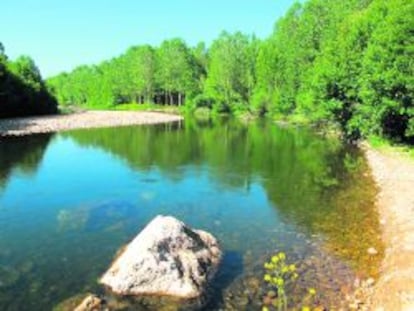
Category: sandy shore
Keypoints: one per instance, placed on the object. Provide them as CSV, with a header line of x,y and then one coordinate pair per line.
x,y
89,119
394,175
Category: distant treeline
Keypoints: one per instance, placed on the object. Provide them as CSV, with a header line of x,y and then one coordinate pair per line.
x,y
345,61
22,90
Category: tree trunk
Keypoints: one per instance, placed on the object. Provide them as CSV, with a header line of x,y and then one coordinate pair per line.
x,y
179,99
171,99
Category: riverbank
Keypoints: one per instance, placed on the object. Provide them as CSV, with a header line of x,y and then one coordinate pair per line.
x,y
87,119
394,174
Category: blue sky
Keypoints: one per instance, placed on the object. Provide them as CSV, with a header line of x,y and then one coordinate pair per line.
x,y
61,34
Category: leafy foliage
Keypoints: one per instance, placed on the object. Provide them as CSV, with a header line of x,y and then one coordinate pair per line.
x,y
230,78
348,62
345,62
166,75
22,90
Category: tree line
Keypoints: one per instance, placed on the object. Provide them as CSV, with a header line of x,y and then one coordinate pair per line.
x,y
349,62
346,61
22,89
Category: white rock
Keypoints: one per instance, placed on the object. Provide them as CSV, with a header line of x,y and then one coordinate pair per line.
x,y
372,251
166,258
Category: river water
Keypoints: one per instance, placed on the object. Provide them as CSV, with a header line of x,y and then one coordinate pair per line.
x,y
69,201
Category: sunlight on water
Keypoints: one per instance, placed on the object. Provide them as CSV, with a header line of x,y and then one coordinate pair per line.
x,y
69,201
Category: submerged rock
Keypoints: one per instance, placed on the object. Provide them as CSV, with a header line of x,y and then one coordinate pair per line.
x,y
82,302
166,258
91,303
8,276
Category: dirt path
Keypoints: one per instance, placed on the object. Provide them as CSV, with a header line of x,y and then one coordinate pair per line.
x,y
394,175
89,119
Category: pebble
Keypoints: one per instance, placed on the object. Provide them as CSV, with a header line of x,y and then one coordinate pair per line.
x,y
267,301
370,282
372,251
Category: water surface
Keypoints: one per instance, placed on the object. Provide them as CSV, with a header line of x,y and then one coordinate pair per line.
x,y
69,201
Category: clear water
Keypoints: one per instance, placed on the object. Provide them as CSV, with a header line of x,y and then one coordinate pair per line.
x,y
69,201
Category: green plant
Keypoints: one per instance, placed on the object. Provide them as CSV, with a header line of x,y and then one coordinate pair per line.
x,y
278,275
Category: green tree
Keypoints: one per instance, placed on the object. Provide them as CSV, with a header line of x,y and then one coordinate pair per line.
x,y
344,62
387,75
231,71
22,90
25,68
176,73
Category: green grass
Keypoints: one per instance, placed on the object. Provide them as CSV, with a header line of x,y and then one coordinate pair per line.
x,y
148,107
137,107
202,113
386,145
295,119
126,107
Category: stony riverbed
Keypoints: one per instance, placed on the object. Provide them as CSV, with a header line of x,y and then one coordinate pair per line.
x,y
88,119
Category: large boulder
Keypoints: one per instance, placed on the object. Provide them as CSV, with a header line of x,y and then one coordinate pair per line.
x,y
166,258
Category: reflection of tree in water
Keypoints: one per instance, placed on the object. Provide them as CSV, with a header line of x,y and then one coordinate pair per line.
x,y
23,153
337,202
235,153
316,183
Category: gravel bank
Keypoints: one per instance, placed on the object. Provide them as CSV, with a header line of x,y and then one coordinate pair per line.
x,y
89,119
394,175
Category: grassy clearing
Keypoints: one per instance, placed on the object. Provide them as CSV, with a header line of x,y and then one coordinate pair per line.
x,y
148,107
124,107
295,119
383,144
